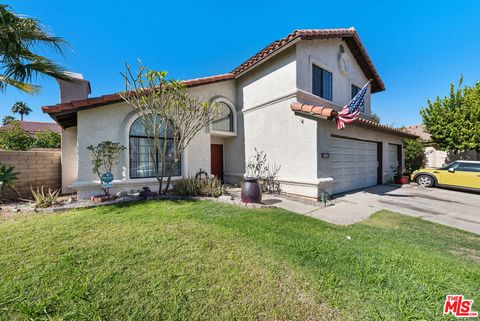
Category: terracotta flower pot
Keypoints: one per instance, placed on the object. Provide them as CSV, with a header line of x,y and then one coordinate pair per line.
x,y
401,180
251,192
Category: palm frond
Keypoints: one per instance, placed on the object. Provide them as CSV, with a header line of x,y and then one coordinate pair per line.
x,y
20,38
28,88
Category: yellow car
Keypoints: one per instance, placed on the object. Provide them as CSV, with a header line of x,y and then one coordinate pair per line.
x,y
459,174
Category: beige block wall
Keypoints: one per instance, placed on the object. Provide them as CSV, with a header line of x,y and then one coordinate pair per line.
x,y
34,168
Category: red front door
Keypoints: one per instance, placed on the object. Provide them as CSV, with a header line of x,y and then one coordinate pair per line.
x,y
216,160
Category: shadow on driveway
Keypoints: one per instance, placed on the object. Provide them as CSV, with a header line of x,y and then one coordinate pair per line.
x,y
449,207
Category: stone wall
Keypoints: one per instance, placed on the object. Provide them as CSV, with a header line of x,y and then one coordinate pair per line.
x,y
34,168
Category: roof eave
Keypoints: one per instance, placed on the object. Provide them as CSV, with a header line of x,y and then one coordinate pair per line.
x,y
327,113
266,58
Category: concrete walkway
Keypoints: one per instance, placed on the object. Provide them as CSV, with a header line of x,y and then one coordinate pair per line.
x,y
452,208
338,212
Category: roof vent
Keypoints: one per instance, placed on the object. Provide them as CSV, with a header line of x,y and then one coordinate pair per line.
x,y
77,89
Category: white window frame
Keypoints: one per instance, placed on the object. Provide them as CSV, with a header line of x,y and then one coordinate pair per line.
x,y
222,133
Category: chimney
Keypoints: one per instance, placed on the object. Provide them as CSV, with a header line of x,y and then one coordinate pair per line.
x,y
78,89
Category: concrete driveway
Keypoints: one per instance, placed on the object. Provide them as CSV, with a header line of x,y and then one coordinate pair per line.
x,y
452,208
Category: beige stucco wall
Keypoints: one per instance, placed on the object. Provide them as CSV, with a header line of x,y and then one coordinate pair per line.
x,y
434,158
69,159
112,122
437,158
264,96
324,53
263,119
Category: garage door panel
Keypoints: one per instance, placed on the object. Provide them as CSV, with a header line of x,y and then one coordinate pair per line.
x,y
354,164
392,160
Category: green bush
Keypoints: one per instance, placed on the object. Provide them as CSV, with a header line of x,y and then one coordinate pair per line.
x,y
45,199
188,186
14,137
414,155
47,139
191,186
211,187
7,178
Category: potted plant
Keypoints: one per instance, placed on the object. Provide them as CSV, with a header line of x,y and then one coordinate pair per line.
x,y
399,178
251,191
103,157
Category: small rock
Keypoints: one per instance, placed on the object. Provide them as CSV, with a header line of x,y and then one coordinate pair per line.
x,y
122,194
146,193
349,238
225,198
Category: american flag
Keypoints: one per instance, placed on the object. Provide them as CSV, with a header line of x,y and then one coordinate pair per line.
x,y
352,110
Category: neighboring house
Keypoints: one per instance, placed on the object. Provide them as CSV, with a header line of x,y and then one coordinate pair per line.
x,y
33,127
433,156
281,101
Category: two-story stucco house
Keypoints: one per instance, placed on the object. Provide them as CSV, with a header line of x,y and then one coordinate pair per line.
x,y
282,100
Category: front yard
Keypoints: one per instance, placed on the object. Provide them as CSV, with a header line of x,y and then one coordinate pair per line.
x,y
168,260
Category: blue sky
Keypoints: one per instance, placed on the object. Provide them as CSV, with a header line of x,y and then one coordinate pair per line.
x,y
419,47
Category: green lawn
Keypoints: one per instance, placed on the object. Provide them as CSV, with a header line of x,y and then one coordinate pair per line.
x,y
167,260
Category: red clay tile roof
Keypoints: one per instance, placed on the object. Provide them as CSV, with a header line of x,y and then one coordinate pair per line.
x,y
349,35
114,98
326,112
35,126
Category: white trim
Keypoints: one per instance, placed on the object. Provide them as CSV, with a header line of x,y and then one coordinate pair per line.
x,y
84,185
291,181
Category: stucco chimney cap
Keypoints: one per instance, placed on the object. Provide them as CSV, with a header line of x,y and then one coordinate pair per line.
x,y
77,88
74,75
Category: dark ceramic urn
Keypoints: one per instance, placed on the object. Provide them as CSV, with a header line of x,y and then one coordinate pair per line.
x,y
251,192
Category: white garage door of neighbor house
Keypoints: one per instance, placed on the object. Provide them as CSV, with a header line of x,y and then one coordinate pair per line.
x,y
354,164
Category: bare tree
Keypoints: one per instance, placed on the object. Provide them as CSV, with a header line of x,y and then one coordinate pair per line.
x,y
166,110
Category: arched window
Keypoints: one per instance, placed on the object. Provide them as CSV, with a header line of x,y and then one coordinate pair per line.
x,y
224,120
141,142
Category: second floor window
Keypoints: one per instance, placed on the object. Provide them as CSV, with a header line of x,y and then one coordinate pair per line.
x,y
355,90
321,82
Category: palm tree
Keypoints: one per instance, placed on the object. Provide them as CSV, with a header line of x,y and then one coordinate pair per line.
x,y
21,108
20,38
8,120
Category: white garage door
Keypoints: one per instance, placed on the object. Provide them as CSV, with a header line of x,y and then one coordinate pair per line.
x,y
392,160
354,164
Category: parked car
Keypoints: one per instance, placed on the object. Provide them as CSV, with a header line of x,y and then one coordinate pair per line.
x,y
459,174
